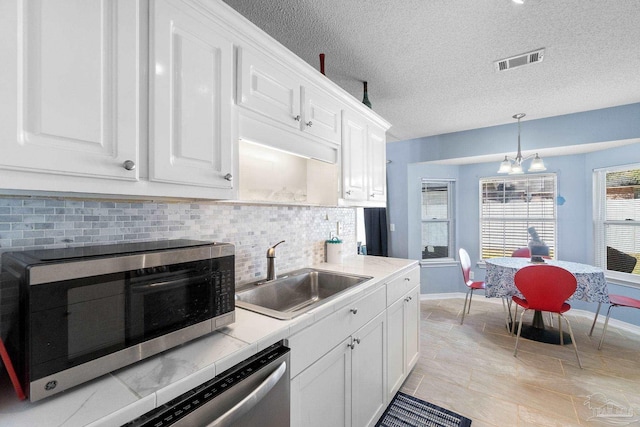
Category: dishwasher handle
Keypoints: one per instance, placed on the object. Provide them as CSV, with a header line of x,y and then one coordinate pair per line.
x,y
251,400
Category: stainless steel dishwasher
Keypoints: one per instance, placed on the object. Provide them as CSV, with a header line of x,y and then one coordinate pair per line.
x,y
253,393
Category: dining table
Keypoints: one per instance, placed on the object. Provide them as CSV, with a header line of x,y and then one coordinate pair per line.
x,y
500,283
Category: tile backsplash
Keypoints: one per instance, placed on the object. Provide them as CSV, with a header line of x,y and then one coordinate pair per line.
x,y
35,223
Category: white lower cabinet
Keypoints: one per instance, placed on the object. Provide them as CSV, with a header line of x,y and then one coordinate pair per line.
x,y
403,326
369,373
347,386
347,366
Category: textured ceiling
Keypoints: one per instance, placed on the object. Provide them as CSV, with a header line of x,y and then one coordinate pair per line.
x,y
430,63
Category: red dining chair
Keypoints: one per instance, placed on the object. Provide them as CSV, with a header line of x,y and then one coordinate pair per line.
x,y
521,253
526,253
545,288
465,263
615,301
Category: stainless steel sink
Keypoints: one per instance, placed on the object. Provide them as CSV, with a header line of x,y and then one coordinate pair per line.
x,y
295,293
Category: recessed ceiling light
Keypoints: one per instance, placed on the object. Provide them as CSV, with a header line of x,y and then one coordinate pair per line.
x,y
518,1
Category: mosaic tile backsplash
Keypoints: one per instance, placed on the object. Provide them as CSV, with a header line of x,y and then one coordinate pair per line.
x,y
36,223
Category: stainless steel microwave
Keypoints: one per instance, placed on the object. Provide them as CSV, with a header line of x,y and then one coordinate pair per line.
x,y
70,315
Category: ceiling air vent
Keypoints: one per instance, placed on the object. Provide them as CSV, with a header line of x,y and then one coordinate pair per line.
x,y
519,60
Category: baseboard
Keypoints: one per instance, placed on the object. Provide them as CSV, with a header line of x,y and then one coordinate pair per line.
x,y
628,327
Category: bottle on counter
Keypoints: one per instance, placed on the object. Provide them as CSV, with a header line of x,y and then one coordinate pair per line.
x,y
334,250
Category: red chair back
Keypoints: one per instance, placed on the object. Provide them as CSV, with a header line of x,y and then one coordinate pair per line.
x,y
521,253
545,287
465,263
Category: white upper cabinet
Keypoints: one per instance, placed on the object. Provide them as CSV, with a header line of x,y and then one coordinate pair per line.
x,y
321,115
152,98
363,161
354,157
281,108
377,170
191,99
268,88
70,91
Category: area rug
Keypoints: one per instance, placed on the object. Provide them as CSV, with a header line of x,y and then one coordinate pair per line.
x,y
409,411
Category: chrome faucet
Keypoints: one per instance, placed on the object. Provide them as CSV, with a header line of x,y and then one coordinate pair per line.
x,y
271,262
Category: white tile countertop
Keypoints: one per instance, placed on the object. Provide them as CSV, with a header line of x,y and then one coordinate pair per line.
x,y
123,395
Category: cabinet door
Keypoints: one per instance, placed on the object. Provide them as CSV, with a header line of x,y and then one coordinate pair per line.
x,y
268,88
191,96
412,329
396,366
321,115
321,395
403,338
377,164
369,370
354,157
71,87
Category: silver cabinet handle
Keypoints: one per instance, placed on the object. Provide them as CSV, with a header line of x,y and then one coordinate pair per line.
x,y
129,165
251,400
296,118
309,123
353,343
228,177
354,310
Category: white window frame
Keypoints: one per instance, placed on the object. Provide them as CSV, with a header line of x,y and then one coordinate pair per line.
x,y
553,221
450,220
600,222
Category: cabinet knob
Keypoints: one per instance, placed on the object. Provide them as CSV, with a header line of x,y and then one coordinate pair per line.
x,y
228,177
351,346
354,310
348,192
407,279
407,299
129,165
372,195
309,123
296,118
357,340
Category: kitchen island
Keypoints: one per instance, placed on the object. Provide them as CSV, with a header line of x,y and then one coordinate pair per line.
x,y
125,394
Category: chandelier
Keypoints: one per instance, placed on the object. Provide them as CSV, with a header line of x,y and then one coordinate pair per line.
x,y
513,165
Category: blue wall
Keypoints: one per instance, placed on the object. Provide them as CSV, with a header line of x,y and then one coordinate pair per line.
x,y
575,231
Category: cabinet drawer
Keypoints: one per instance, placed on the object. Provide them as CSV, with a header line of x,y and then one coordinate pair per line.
x,y
310,344
401,284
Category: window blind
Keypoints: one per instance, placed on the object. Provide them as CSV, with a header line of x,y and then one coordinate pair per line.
x,y
437,218
617,220
509,206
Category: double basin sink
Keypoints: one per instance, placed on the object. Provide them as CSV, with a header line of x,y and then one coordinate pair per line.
x,y
296,292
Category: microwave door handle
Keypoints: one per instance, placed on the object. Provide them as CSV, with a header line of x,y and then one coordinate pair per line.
x,y
251,400
167,284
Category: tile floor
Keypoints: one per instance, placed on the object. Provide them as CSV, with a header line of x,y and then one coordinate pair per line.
x,y
470,369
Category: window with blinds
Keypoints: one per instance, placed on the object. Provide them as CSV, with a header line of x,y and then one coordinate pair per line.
x,y
617,221
437,219
509,206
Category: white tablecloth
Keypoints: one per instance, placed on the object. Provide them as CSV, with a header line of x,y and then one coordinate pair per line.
x,y
592,285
